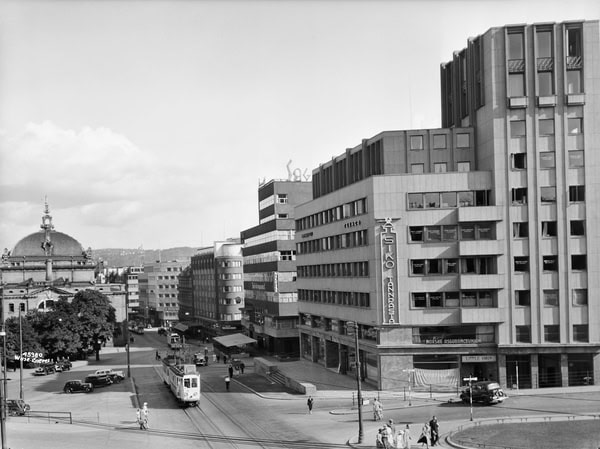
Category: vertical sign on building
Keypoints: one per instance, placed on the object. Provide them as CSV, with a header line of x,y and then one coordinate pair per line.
x,y
389,272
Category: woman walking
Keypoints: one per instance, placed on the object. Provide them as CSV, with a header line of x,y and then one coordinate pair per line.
x,y
425,435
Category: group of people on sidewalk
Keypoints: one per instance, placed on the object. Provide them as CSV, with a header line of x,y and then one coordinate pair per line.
x,y
389,437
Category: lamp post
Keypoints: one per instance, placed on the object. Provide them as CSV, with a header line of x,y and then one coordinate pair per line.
x,y
3,390
361,435
21,396
470,379
410,378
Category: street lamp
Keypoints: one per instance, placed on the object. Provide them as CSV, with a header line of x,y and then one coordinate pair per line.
x,y
3,390
21,396
353,325
470,379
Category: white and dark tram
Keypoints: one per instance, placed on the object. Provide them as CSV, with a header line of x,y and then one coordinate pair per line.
x,y
183,381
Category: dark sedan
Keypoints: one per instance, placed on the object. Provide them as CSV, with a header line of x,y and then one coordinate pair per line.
x,y
99,381
74,386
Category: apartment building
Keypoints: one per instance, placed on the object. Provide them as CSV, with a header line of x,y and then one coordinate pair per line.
x,y
135,310
218,289
159,291
270,314
467,249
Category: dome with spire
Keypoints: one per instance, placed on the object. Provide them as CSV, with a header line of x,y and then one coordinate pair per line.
x,y
63,245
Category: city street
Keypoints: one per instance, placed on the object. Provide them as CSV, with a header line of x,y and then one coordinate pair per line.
x,y
237,418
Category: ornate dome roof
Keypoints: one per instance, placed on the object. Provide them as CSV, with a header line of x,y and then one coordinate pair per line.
x,y
62,245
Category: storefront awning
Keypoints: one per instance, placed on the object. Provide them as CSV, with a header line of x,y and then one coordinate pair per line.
x,y
179,327
234,340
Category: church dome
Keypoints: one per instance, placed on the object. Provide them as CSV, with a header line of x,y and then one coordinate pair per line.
x,y
62,245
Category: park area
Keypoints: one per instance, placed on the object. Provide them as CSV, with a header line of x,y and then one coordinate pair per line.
x,y
581,434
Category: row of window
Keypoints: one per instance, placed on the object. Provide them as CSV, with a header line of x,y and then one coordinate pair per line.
x,y
518,128
343,269
355,299
550,263
271,236
439,141
550,297
230,276
467,298
547,160
440,167
549,228
334,242
348,210
448,233
464,265
436,200
548,194
552,333
231,288
272,256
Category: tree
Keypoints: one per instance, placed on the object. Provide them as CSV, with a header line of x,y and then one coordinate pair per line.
x,y
29,337
96,319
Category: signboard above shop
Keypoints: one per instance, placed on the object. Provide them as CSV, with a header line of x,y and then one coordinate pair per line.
x,y
478,358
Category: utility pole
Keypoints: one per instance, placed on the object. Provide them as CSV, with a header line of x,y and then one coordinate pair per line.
x,y
3,395
21,396
361,435
470,379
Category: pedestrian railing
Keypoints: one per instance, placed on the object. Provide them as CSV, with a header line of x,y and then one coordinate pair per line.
x,y
65,417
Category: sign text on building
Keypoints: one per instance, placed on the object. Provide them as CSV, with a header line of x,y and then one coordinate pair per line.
x,y
389,272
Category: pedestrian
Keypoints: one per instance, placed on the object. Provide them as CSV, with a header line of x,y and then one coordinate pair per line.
x,y
227,380
377,410
435,430
224,358
379,439
145,414
403,438
392,433
425,436
139,419
242,366
205,352
157,355
230,369
310,401
387,437
218,357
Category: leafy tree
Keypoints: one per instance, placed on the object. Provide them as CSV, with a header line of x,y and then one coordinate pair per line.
x,y
95,319
29,337
58,330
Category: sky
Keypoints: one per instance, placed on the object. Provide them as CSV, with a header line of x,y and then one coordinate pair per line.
x,y
150,123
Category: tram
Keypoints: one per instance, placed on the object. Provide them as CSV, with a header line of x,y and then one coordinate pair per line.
x,y
183,381
173,340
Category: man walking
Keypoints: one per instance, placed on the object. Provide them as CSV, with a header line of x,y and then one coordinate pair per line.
x,y
435,430
310,402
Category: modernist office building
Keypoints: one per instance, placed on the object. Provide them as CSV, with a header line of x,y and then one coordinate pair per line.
x,y
218,289
469,249
271,302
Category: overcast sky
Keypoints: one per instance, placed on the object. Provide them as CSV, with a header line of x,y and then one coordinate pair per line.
x,y
150,123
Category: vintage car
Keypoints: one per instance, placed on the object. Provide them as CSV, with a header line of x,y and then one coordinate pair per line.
x,y
74,386
17,407
99,381
63,365
48,368
486,392
199,359
115,376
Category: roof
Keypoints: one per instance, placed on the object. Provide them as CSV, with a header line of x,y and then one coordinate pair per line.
x,y
63,245
234,340
180,327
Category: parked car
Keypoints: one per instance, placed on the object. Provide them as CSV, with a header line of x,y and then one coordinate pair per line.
x,y
115,376
17,407
63,365
98,381
199,359
45,369
486,392
74,386
162,331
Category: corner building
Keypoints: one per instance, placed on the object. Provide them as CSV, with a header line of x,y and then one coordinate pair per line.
x,y
468,249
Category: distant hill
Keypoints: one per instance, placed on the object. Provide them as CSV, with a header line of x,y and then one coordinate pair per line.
x,y
123,257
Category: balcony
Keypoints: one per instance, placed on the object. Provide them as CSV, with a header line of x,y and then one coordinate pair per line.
x,y
481,281
480,213
481,315
480,248
575,99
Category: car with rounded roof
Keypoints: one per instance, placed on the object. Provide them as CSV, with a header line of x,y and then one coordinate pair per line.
x,y
75,386
486,392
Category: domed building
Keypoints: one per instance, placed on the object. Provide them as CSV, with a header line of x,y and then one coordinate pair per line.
x,y
48,265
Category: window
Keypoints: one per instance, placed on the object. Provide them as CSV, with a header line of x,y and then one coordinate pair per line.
x,y
575,125
544,43
419,299
11,307
417,267
465,199
520,229
580,333
432,200
548,194
439,141
577,228
545,84
449,233
517,128
521,263
576,193
519,196
549,228
440,167
417,169
551,298
448,199
467,232
415,201
552,333
576,158
433,234
434,266
522,298
516,84
462,140
22,307
546,127
579,262
416,233
550,263
574,42
469,299
282,198
519,161
436,299
463,166
580,297
574,85
452,266
523,334
416,142
547,159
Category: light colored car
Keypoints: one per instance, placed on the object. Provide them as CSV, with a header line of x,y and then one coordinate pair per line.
x,y
115,376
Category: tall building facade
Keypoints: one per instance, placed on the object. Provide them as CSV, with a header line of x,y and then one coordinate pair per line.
x,y
271,302
468,249
218,289
134,311
158,285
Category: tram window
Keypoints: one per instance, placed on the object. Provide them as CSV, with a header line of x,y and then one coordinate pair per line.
x,y
186,383
194,382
